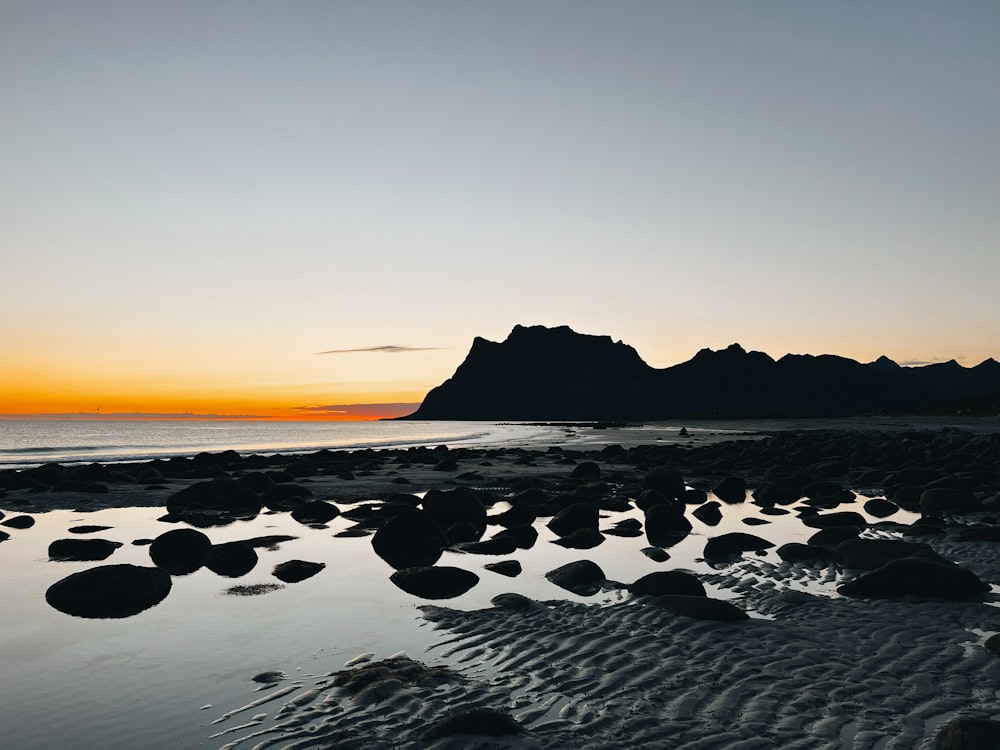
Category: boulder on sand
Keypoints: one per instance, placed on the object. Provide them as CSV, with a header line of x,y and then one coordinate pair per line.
x,y
180,551
410,539
666,525
918,577
663,582
443,582
702,608
293,571
82,549
109,591
583,577
232,559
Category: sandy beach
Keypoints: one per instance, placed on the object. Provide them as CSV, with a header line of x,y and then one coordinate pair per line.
x,y
776,653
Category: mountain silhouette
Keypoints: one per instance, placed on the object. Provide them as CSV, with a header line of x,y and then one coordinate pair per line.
x,y
541,373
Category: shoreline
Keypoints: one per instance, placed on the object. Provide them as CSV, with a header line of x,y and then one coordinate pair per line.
x,y
811,669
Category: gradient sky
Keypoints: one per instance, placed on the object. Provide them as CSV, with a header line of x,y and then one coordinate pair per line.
x,y
257,207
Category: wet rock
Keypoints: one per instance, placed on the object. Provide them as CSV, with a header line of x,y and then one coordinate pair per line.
x,y
479,721
968,734
827,520
410,539
702,608
664,479
734,544
586,470
442,582
798,552
4,536
948,500
731,490
285,496
18,522
880,507
501,544
524,536
833,536
109,591
82,549
216,501
573,518
87,529
316,511
666,525
180,551
509,568
516,603
630,527
460,505
869,554
648,498
656,554
709,514
268,678
293,571
582,577
517,515
581,539
232,559
661,583
917,577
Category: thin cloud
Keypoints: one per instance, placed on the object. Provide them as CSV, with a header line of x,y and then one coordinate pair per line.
x,y
387,349
367,410
925,362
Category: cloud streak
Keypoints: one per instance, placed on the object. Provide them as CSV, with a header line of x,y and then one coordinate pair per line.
x,y
387,349
368,410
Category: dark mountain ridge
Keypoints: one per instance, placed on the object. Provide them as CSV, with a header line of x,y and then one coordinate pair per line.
x,y
541,373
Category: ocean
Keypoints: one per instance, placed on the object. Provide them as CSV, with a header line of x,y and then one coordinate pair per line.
x,y
28,443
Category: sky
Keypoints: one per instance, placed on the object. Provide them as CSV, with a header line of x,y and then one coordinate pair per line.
x,y
302,208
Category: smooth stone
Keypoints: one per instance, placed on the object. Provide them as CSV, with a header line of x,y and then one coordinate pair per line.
x,y
109,591
180,551
294,571
583,577
441,582
82,549
665,582
918,577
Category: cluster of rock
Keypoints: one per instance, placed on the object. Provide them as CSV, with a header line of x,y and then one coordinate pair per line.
x,y
655,491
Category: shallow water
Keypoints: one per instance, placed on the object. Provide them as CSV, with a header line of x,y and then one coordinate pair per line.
x,y
74,682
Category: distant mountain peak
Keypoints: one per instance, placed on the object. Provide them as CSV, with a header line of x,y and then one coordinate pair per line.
x,y
546,373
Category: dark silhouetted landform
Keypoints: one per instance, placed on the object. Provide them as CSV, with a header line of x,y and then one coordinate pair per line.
x,y
541,373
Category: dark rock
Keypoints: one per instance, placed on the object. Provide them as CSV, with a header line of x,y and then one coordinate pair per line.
x,y
656,554
86,529
630,527
516,603
216,501
315,511
919,577
869,554
18,522
753,521
573,518
460,505
827,520
666,582
694,496
524,536
731,490
4,536
648,498
434,582
968,734
180,551
509,568
109,591
478,721
581,539
709,514
285,496
980,534
797,552
948,500
293,571
665,525
993,644
880,507
410,539
733,544
501,544
462,533
82,549
232,559
582,577
666,480
833,536
517,515
702,608
586,470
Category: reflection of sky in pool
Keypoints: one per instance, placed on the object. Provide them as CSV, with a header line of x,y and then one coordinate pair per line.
x,y
74,682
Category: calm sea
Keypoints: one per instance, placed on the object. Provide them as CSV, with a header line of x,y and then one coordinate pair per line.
x,y
26,443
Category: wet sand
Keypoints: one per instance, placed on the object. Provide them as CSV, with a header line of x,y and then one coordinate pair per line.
x,y
810,668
